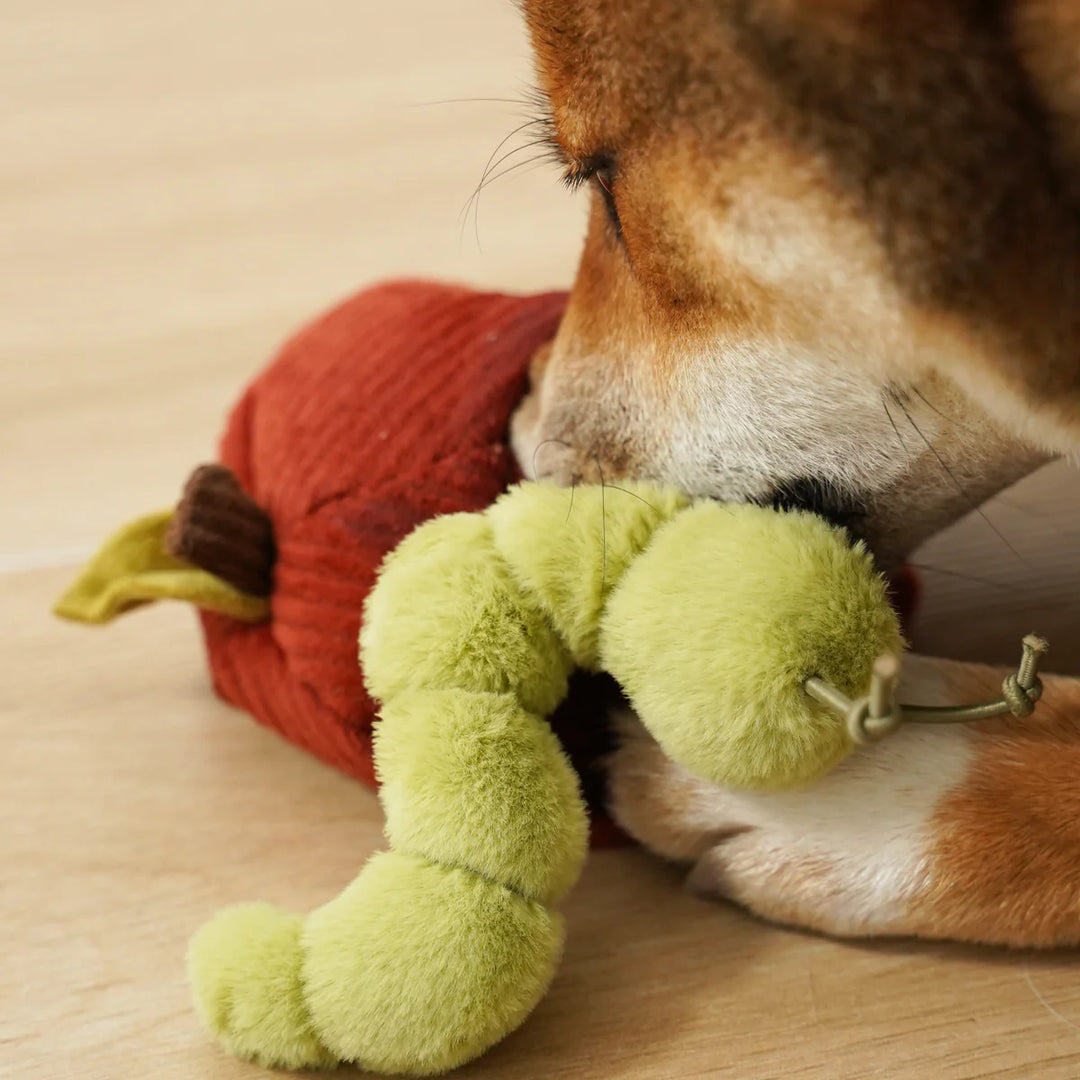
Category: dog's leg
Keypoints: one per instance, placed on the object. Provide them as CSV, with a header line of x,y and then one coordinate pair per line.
x,y
962,832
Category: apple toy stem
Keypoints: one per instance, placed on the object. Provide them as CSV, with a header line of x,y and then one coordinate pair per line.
x,y
219,528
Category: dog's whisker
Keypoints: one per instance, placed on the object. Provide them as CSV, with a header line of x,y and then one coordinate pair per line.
x,y
944,416
603,525
474,200
634,495
520,102
489,173
532,162
975,578
547,442
542,120
536,102
933,408
1046,1004
960,487
1025,508
498,146
491,157
899,437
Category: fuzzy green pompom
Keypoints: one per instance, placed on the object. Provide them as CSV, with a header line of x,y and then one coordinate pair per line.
x,y
244,968
417,968
715,628
472,780
446,614
569,548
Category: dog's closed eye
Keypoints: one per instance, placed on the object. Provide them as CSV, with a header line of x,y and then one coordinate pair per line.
x,y
600,169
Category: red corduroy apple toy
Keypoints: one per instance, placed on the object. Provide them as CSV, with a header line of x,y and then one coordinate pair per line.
x,y
390,409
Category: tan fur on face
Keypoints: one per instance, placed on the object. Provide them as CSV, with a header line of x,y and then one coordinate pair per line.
x,y
845,198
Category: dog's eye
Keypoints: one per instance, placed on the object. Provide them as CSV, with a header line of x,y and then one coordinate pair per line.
x,y
605,180
600,170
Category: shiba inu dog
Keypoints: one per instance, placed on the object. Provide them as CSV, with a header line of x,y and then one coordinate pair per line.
x,y
833,262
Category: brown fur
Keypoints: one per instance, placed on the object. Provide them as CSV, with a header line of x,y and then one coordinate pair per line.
x,y
1005,866
917,172
832,260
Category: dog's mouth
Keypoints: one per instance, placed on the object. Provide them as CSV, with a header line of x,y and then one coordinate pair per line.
x,y
820,497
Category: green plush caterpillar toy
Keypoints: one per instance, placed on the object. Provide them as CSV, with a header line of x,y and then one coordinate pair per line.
x,y
711,617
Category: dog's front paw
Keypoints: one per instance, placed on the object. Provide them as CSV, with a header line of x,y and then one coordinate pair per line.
x,y
781,880
919,835
845,856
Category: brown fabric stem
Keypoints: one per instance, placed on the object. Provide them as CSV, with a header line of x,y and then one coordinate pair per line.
x,y
219,528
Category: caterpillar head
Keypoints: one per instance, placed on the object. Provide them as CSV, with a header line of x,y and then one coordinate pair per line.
x,y
717,625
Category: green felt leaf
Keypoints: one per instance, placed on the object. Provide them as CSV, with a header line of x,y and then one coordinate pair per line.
x,y
133,568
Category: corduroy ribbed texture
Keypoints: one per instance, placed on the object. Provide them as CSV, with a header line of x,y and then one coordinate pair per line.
x,y
388,410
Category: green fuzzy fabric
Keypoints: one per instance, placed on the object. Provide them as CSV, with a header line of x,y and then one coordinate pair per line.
x,y
414,969
245,968
568,549
711,617
446,614
417,968
473,780
443,945
773,598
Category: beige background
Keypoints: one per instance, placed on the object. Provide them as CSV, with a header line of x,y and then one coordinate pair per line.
x,y
180,185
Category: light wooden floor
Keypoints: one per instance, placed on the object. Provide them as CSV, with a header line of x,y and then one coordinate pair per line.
x,y
179,186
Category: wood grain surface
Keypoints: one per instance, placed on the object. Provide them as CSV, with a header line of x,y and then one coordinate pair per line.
x,y
180,185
